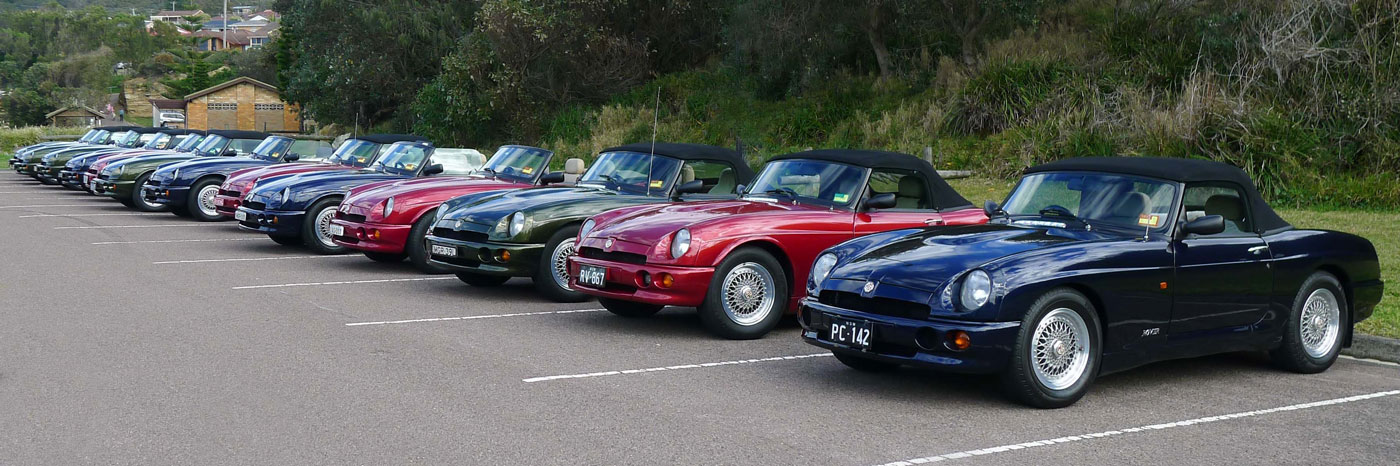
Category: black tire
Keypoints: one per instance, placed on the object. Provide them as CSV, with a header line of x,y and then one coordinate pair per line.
x,y
180,211
1292,353
478,279
286,240
630,309
1019,380
546,281
864,364
310,235
417,246
387,258
192,201
138,201
126,202
712,313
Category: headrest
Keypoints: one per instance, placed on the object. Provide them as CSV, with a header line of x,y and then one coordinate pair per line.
x,y
911,186
687,174
574,166
1226,206
1132,205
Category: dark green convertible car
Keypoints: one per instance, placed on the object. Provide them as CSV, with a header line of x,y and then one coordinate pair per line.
x,y
123,179
488,238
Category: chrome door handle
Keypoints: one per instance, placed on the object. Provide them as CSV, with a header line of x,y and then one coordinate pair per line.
x,y
1258,249
933,222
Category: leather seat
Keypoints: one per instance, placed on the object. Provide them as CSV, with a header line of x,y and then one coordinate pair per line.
x,y
687,174
573,168
1230,208
1129,208
726,182
911,193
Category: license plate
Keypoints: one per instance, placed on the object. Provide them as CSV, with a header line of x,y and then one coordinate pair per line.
x,y
337,230
589,275
442,250
240,215
850,332
92,186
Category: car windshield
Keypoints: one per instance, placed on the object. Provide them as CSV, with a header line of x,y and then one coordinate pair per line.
x,y
355,153
516,163
809,181
272,149
403,158
189,143
633,172
212,145
1093,198
89,136
158,141
126,139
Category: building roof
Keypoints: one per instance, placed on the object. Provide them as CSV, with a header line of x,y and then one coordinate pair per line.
x,y
265,31
76,107
168,104
231,83
235,36
181,13
944,196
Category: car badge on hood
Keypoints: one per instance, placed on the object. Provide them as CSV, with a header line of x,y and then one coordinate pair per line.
x,y
608,244
869,286
461,224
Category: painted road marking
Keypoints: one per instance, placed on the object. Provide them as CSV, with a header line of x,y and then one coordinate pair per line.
x,y
1372,361
248,259
163,241
672,368
492,316
92,215
49,205
105,227
353,282
1112,433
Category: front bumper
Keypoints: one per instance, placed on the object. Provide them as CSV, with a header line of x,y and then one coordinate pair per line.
x,y
47,172
272,222
914,342
372,237
227,202
111,188
175,196
481,257
71,179
625,281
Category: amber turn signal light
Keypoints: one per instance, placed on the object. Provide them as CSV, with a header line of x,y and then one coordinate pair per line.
x,y
959,340
503,256
665,280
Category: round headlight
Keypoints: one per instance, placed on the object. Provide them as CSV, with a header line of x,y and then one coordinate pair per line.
x,y
175,174
976,289
517,223
388,207
286,194
823,266
680,244
586,228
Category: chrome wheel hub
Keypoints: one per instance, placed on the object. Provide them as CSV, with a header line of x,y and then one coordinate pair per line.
x,y
559,261
323,227
206,200
747,294
1320,323
1060,349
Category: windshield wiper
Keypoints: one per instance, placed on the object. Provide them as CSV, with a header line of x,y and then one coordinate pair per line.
x,y
488,170
784,191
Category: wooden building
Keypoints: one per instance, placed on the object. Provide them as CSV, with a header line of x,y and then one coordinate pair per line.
x,y
75,116
245,104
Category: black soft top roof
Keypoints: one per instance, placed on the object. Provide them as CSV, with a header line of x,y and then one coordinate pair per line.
x,y
944,196
151,130
1176,169
384,138
239,134
684,151
116,127
181,131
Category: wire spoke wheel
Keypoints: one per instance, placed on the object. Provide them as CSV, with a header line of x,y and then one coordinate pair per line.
x,y
1060,349
323,227
206,200
1320,323
559,263
748,293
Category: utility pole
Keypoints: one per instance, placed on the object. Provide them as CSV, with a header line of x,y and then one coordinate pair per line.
x,y
225,24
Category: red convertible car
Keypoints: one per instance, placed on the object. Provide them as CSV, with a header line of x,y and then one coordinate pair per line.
x,y
388,220
353,154
742,262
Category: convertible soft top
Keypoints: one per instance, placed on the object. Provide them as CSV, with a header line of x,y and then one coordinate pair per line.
x,y
385,138
116,127
181,131
685,151
239,134
1175,169
140,130
944,196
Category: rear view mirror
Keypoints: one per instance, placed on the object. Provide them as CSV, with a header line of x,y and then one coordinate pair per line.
x,y
1207,225
881,201
740,189
229,153
432,169
691,187
552,178
292,157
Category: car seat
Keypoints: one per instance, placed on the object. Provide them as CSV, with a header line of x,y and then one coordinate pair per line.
x,y
573,168
687,174
911,193
1229,207
726,182
1128,209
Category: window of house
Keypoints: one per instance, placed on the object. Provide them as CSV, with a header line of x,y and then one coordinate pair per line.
x,y
223,107
277,107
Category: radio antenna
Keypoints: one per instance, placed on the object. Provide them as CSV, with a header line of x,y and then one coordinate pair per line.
x,y
655,121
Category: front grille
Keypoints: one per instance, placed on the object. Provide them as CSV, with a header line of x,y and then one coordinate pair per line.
x,y
350,217
614,256
233,194
880,306
102,177
255,205
460,235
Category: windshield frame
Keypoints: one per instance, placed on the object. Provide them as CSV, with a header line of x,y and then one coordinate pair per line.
x,y
854,202
184,145
1166,227
160,141
202,151
378,164
335,159
520,176
670,184
283,142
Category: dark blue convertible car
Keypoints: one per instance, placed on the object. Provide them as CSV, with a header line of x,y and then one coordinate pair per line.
x,y
1095,265
189,186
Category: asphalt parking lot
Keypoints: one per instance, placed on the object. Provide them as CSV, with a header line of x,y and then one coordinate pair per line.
x,y
148,339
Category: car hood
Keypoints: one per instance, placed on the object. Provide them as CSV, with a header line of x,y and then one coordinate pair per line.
x,y
925,259
193,169
489,210
431,189
307,187
649,225
248,175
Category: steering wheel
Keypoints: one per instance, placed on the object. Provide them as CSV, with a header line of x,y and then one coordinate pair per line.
x,y
1058,210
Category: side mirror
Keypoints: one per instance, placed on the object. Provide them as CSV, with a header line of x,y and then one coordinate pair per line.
x,y
740,189
433,169
991,208
1207,225
229,153
881,201
552,178
691,187
292,157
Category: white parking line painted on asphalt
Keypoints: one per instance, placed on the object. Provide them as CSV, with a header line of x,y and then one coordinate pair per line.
x,y
249,259
134,214
1372,361
491,316
48,205
672,368
1112,433
351,282
106,227
164,241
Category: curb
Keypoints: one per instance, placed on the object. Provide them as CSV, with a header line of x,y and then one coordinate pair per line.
x,y
1374,347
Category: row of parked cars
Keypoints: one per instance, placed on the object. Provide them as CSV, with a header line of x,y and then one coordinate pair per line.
x,y
1090,266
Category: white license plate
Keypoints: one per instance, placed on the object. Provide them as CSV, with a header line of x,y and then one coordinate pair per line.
x,y
240,215
337,230
92,186
850,332
442,250
593,276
